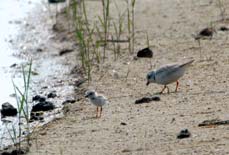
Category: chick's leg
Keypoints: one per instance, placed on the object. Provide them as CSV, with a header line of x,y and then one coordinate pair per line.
x,y
177,84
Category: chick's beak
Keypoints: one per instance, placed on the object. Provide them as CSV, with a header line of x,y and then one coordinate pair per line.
x,y
147,83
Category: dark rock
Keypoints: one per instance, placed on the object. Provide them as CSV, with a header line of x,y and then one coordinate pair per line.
x,y
65,51
147,99
145,53
156,98
206,32
39,50
184,134
13,65
14,152
126,150
44,87
43,106
8,110
51,95
5,153
18,152
123,123
36,116
39,98
224,28
69,101
143,100
56,1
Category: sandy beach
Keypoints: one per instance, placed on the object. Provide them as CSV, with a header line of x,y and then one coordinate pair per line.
x,y
149,128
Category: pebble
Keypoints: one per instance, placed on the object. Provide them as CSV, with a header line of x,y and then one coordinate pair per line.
x,y
184,134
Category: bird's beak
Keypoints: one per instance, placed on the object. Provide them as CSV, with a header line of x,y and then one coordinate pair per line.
x,y
86,96
147,83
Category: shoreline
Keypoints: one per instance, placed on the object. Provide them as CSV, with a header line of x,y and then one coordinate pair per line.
x,y
52,72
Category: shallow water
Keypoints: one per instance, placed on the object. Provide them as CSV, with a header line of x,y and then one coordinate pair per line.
x,y
12,15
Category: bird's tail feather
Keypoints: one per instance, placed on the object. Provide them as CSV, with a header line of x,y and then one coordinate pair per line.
x,y
186,63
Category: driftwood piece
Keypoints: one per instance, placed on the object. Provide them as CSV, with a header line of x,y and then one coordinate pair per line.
x,y
214,122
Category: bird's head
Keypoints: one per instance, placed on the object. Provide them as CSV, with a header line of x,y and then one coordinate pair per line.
x,y
150,77
90,94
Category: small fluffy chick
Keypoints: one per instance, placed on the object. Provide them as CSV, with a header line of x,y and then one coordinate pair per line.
x,y
97,100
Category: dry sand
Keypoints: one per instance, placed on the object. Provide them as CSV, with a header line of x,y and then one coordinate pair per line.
x,y
151,128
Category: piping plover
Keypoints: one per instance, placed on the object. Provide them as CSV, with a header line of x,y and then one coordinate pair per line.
x,y
97,100
167,74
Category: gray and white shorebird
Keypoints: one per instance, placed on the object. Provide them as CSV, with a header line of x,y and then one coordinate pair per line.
x,y
97,100
168,74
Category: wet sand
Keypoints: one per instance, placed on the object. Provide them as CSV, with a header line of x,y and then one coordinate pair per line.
x,y
28,35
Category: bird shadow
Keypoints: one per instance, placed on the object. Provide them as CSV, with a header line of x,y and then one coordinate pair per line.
x,y
164,94
90,118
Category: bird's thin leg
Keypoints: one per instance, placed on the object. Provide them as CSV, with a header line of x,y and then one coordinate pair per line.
x,y
200,48
97,111
101,109
163,89
167,89
177,86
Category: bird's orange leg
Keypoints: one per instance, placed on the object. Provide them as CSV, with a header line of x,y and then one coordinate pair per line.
x,y
177,86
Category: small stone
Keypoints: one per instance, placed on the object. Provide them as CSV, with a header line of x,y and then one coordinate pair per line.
x,y
145,53
18,152
184,134
43,106
39,98
69,101
56,1
8,110
126,150
123,123
147,99
51,95
224,28
156,98
39,50
13,65
206,32
65,51
5,153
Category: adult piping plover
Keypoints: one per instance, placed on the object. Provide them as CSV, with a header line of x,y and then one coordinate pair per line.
x,y
167,74
97,100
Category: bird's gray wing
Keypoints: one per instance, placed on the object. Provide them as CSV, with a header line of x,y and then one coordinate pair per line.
x,y
167,69
170,68
102,98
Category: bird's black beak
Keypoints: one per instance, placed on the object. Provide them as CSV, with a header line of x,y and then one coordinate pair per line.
x,y
147,83
86,96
